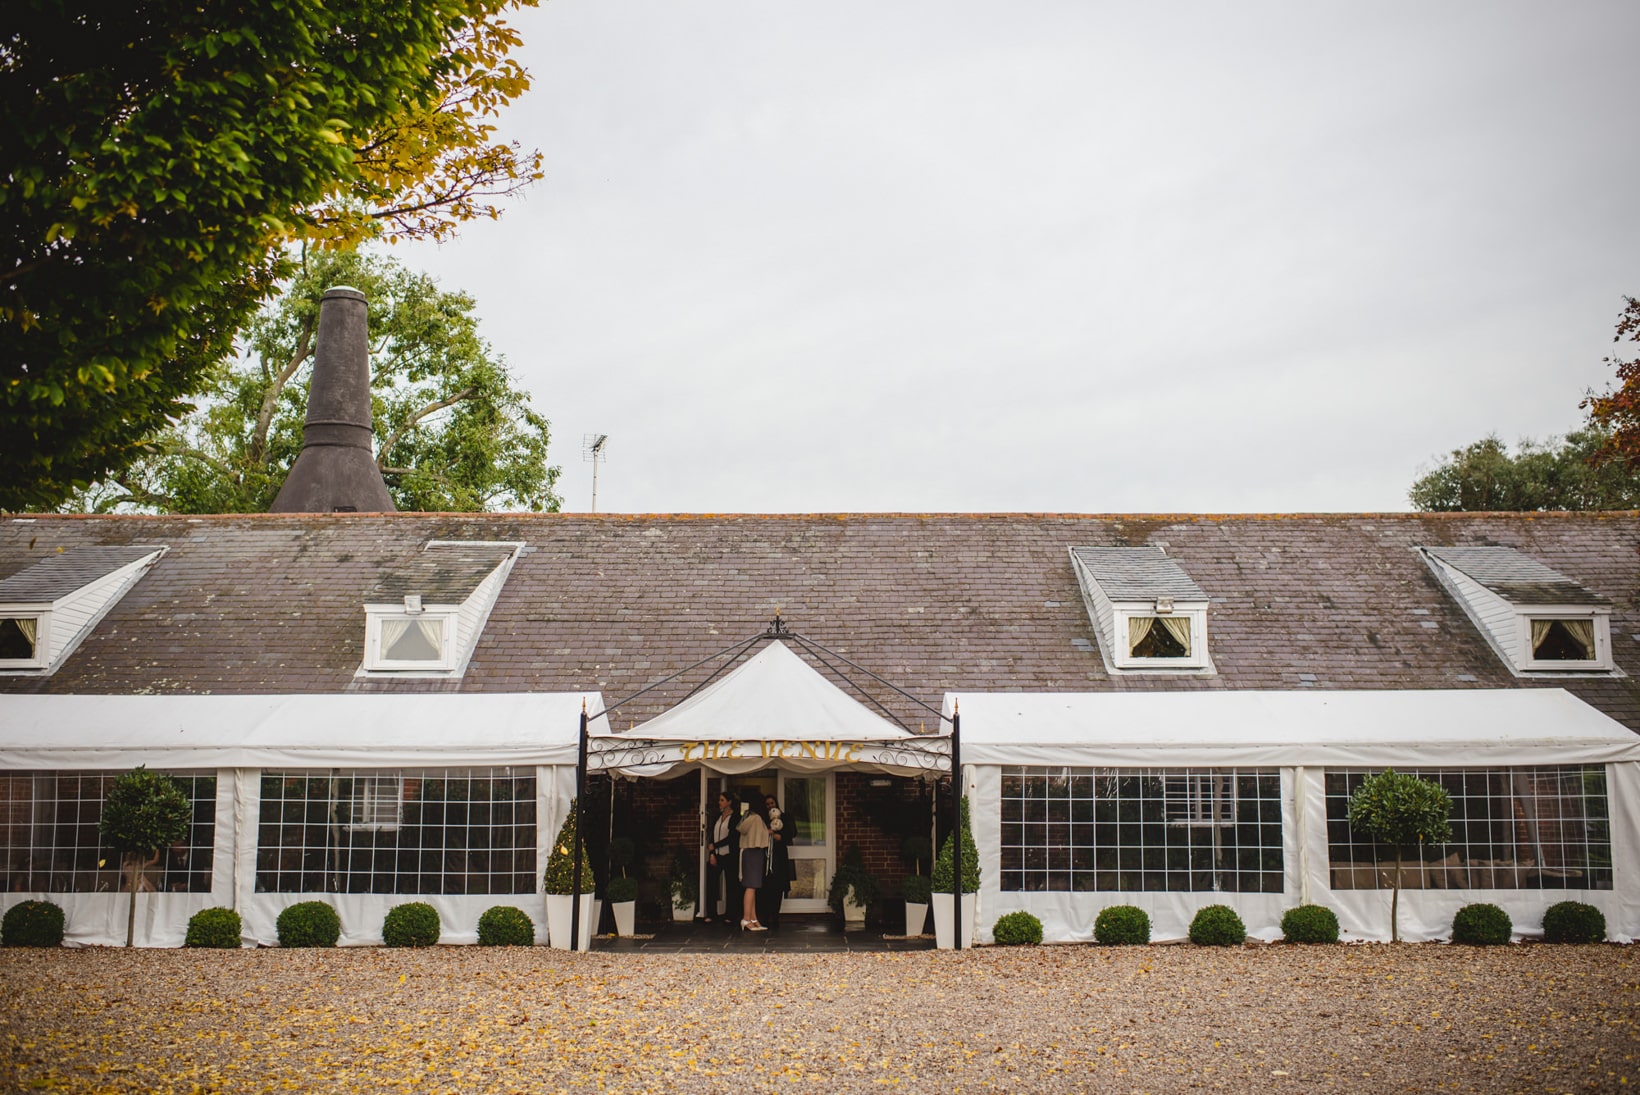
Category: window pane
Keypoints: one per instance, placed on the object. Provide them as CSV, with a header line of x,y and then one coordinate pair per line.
x,y
412,640
17,635
1563,640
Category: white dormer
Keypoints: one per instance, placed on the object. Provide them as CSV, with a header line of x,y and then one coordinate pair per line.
x,y
1539,621
1148,614
48,608
424,616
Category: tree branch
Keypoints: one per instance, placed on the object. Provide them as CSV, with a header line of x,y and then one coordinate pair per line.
x,y
409,423
270,398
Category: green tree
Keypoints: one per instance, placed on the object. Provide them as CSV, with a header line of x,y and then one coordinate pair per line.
x,y
143,813
454,432
1618,410
1561,474
559,877
1405,811
159,157
945,868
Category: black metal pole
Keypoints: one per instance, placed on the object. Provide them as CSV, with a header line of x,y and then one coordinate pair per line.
x,y
956,830
575,852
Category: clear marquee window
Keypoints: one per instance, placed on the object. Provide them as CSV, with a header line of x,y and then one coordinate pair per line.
x,y
1512,828
1133,829
421,831
49,841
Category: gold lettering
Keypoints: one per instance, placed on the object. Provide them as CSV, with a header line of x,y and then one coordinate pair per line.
x,y
729,748
853,754
685,749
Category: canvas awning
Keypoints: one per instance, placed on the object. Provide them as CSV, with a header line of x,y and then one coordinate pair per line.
x,y
773,710
398,730
1404,729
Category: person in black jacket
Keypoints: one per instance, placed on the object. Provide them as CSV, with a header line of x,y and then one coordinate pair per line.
x,y
722,851
777,876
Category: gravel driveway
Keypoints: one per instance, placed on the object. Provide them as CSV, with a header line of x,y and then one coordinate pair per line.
x,y
1073,1018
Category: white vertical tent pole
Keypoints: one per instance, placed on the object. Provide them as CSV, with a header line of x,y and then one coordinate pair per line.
x,y
1301,833
247,827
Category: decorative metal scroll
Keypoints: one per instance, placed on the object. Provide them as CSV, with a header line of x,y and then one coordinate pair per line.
x,y
924,754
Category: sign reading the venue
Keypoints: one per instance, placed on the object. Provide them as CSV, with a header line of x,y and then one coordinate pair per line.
x,y
843,752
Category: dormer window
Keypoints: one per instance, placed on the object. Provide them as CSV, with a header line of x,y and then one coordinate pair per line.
x,y
1539,621
1149,615
425,614
47,609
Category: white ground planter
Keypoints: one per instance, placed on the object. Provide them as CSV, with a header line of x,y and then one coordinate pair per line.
x,y
625,916
853,913
944,936
559,910
916,916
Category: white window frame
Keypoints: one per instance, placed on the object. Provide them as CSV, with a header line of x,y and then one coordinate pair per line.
x,y
42,636
1196,659
364,806
1602,660
1188,799
374,662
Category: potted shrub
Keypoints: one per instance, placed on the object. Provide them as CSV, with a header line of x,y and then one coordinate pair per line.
x,y
559,884
685,887
853,887
945,885
916,889
623,902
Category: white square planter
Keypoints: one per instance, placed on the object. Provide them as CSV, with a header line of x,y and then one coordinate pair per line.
x,y
916,917
853,913
625,916
944,935
559,910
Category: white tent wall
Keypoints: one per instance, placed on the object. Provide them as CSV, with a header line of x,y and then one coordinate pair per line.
x,y
1303,735
363,733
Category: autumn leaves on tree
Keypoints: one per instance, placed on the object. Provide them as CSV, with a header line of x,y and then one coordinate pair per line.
x,y
163,157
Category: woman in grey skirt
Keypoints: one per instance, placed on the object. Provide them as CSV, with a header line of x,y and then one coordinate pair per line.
x,y
754,850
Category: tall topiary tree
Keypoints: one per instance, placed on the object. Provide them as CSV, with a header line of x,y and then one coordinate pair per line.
x,y
943,867
560,874
144,812
1405,811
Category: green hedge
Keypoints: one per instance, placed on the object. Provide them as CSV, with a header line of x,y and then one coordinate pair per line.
x,y
505,926
309,924
218,929
1121,926
33,924
1309,924
413,924
1573,922
1217,926
1481,925
1015,928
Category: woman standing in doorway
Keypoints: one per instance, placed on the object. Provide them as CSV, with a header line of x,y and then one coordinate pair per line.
x,y
721,877
754,849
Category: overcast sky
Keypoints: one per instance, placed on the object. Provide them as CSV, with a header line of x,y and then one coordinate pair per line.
x,y
839,256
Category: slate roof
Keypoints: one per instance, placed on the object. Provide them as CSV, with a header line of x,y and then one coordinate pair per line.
x,y
56,576
933,603
1516,578
443,574
1138,574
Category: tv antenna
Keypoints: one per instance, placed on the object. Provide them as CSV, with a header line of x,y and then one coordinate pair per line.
x,y
592,451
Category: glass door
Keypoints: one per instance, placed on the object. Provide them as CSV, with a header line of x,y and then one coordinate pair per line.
x,y
806,801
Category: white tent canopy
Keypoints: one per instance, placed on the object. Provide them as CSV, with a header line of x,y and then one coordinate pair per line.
x,y
773,709
1336,729
309,731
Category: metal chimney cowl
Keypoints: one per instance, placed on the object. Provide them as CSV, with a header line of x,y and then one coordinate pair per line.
x,y
336,470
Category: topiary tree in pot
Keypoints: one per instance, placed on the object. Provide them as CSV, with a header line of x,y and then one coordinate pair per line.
x,y
559,883
1403,811
945,885
143,813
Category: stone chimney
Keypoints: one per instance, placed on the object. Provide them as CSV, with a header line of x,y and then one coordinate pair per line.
x,y
336,470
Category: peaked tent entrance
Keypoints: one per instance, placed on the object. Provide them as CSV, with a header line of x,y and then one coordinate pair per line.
x,y
773,720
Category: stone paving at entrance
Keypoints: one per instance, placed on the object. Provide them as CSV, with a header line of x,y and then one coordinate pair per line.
x,y
796,935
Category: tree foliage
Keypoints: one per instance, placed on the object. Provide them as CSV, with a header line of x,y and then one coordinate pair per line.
x,y
1406,812
944,864
454,432
559,877
1560,474
160,156
1618,410
143,813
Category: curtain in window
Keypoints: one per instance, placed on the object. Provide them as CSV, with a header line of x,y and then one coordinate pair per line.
x,y
1583,632
30,627
1179,628
1540,631
412,640
1138,628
